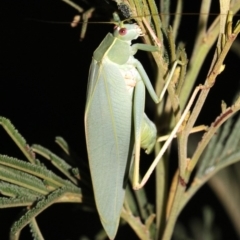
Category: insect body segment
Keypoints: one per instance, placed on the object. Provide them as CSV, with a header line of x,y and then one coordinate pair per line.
x,y
115,119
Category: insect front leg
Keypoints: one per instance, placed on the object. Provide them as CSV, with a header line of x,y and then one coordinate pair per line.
x,y
143,47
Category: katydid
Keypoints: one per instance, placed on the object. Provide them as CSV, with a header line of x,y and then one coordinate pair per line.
x,y
115,122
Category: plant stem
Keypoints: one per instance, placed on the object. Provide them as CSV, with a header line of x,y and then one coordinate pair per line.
x,y
174,212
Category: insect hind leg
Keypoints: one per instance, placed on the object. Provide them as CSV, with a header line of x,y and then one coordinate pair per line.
x,y
148,134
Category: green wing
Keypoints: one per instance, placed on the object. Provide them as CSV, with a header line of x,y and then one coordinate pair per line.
x,y
108,117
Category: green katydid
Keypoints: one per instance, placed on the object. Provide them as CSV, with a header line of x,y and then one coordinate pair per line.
x,y
115,120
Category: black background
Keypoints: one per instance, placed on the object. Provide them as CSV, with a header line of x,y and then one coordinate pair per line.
x,y
43,79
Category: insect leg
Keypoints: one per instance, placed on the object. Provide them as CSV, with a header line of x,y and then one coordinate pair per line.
x,y
166,144
148,83
148,134
138,113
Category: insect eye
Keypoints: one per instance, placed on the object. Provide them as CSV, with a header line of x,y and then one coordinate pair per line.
x,y
122,31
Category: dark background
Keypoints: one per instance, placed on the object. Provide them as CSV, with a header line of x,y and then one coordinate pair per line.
x,y
43,79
